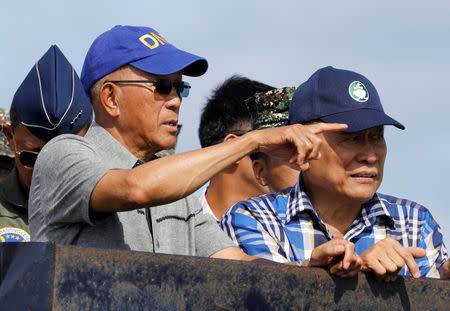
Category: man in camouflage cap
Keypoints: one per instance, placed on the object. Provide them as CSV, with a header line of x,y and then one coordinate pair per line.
x,y
271,109
6,155
225,117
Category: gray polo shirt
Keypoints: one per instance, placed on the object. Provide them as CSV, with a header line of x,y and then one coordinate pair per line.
x,y
65,174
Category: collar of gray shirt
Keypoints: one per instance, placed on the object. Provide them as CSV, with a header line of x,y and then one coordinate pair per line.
x,y
110,148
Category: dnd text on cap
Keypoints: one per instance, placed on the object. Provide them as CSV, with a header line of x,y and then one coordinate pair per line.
x,y
141,47
51,100
339,96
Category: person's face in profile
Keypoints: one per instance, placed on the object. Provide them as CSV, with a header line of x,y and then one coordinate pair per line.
x,y
244,165
22,140
351,165
148,117
275,173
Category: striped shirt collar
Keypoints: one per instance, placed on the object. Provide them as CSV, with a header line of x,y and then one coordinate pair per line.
x,y
372,211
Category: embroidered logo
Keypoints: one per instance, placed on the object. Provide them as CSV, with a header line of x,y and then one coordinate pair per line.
x,y
11,234
153,40
358,91
79,114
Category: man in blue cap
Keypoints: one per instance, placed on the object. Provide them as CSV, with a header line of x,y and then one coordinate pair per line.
x,y
50,101
336,196
107,190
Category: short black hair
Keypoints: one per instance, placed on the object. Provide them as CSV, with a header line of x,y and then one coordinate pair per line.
x,y
225,108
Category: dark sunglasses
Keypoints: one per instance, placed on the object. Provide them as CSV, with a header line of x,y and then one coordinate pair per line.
x,y
27,158
163,86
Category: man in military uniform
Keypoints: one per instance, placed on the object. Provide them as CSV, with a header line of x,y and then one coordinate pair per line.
x,y
6,155
61,107
271,109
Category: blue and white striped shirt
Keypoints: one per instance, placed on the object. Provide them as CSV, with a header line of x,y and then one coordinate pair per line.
x,y
284,227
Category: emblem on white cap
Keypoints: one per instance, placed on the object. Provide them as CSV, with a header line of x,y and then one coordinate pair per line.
x,y
358,91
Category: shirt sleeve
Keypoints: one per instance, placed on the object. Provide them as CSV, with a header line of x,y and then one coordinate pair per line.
x,y
65,173
249,234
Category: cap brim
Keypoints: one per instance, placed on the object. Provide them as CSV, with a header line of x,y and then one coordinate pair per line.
x,y
173,61
362,119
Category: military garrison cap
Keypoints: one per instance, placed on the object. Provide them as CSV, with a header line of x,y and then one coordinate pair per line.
x,y
51,100
270,109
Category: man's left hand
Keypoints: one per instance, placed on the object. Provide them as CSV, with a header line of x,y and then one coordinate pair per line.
x,y
387,257
446,270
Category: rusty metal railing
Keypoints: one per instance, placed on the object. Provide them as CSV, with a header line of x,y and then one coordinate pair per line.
x,y
44,276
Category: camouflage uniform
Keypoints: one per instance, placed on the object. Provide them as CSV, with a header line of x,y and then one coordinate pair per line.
x,y
270,109
4,148
13,210
13,200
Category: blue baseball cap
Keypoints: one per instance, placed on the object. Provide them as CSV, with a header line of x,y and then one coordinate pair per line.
x,y
51,100
339,96
140,47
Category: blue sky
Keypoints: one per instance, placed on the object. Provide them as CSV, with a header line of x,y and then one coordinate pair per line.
x,y
403,47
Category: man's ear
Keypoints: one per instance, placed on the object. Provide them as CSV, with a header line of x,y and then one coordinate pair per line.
x,y
7,130
230,137
109,94
260,170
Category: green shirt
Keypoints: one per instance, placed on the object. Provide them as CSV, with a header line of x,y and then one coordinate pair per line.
x,y
13,210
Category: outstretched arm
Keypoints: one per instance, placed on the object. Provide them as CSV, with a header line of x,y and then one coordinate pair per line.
x,y
171,178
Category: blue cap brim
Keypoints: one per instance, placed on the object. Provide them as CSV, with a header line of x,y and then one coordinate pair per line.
x,y
362,119
171,62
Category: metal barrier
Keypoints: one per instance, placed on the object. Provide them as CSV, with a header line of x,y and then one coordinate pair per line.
x,y
44,276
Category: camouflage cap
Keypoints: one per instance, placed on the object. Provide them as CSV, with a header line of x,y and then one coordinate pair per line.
x,y
4,148
270,109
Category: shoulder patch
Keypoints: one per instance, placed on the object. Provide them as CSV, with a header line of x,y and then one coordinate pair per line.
x,y
11,234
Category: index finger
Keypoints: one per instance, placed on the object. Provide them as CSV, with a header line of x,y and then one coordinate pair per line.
x,y
408,256
322,127
348,255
